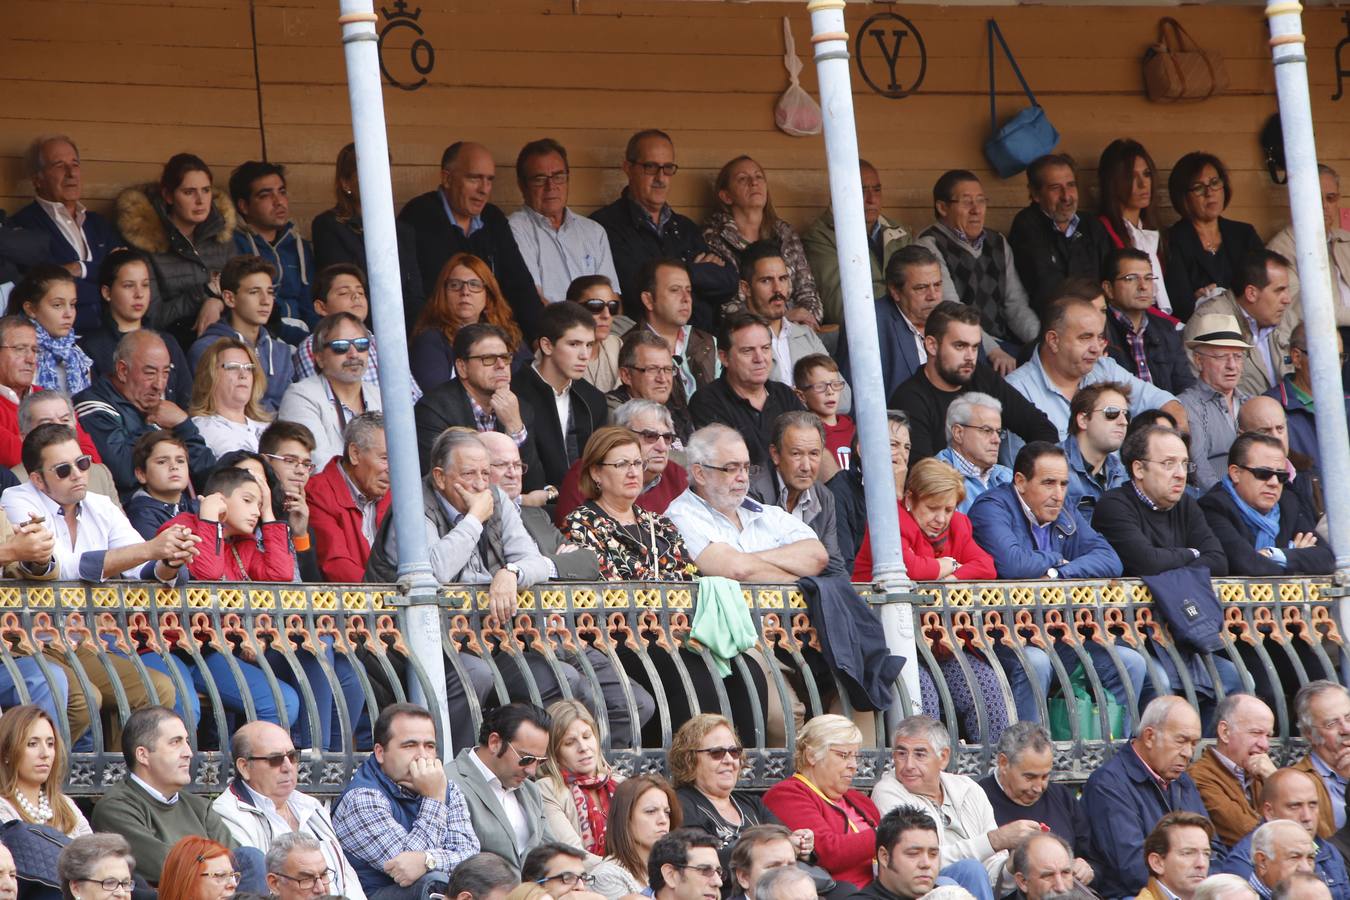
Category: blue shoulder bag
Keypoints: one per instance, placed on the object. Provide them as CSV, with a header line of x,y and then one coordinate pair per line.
x,y
1028,134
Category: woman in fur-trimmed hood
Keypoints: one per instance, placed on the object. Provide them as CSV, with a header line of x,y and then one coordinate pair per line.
x,y
187,226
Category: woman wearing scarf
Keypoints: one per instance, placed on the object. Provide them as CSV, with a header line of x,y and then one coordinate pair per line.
x,y
576,782
46,297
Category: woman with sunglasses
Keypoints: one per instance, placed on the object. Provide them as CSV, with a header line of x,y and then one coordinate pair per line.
x,y
1205,251
631,543
644,810
576,782
466,292
820,797
597,294
33,765
197,868
705,764
227,397
96,867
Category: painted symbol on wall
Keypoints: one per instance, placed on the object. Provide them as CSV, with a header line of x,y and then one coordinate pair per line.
x,y
1341,70
891,55
411,72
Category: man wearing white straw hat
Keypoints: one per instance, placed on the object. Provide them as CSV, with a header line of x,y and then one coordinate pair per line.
x,y
1218,353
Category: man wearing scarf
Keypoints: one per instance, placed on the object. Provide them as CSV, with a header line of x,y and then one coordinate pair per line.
x,y
1264,529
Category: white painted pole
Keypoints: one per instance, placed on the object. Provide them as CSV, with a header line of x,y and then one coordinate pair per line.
x,y
361,46
855,277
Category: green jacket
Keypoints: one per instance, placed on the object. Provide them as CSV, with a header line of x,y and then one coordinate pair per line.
x,y
152,827
823,254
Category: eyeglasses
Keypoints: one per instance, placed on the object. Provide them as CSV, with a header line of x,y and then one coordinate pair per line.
x,y
985,430
651,437
307,882
650,168
1304,351
1111,413
63,470
1226,359
492,360
342,345
969,202
111,885
667,371
1261,473
541,180
223,877
516,466
707,870
720,753
733,468
848,756
1171,466
1135,279
1201,188
597,306
470,285
569,879
626,465
276,759
290,460
525,759
21,349
239,367
826,387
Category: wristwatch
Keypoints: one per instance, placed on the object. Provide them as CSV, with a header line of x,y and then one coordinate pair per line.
x,y
513,569
1052,572
431,862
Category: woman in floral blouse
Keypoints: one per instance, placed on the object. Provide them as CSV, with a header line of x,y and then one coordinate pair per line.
x,y
632,543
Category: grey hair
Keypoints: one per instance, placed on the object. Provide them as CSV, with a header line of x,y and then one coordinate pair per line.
x,y
284,844
131,342
81,856
923,727
1023,850
625,413
779,878
1263,839
949,892
9,323
33,398
959,412
1216,886
1158,710
450,440
1284,889
361,431
796,418
1227,710
1020,737
33,162
702,445
1324,169
1303,707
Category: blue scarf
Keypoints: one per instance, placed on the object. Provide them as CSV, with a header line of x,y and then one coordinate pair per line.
x,y
53,350
1266,525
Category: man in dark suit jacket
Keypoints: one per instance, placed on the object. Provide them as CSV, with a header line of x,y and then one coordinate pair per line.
x,y
913,290
1131,317
1264,529
77,238
567,408
479,398
457,218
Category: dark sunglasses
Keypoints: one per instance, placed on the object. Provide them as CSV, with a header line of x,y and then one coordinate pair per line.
x,y
1261,473
597,306
1111,413
720,753
63,470
342,345
275,760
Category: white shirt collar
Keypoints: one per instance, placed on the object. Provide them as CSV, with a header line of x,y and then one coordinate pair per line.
x,y
56,210
488,775
151,791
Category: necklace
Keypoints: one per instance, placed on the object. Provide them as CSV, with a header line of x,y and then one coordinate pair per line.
x,y
41,814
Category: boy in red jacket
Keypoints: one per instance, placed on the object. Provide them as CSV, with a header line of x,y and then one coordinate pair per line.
x,y
230,511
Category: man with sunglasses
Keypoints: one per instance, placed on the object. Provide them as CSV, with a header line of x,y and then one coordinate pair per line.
x,y
558,245
642,227
496,777
1264,529
261,807
559,869
129,401
326,401
683,865
1140,337
1098,418
1217,347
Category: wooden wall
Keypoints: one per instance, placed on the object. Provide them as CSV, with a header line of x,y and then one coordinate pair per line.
x,y
137,80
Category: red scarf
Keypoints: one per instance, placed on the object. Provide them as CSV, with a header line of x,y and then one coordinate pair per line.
x,y
592,794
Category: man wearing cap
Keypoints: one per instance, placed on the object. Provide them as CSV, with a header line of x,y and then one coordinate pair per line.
x,y
1218,352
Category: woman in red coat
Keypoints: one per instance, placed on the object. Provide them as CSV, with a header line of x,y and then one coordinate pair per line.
x,y
820,797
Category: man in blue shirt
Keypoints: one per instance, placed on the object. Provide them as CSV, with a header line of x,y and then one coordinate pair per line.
x,y
1098,418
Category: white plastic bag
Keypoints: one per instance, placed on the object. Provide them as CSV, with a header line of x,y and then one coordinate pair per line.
x,y
796,113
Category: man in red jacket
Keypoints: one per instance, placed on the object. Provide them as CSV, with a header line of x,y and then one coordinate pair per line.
x,y
348,499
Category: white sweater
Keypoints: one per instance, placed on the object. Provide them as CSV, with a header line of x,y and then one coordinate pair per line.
x,y
965,809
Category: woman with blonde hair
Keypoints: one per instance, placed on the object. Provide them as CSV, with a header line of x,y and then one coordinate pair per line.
x,y
644,810
33,764
821,797
577,783
227,395
466,292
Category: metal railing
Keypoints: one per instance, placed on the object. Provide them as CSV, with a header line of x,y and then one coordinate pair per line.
x,y
1279,635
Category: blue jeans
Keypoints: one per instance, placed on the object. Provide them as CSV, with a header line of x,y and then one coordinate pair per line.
x,y
50,696
1025,691
329,721
969,874
219,669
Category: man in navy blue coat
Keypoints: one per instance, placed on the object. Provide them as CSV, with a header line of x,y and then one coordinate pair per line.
x,y
77,238
913,290
1128,794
